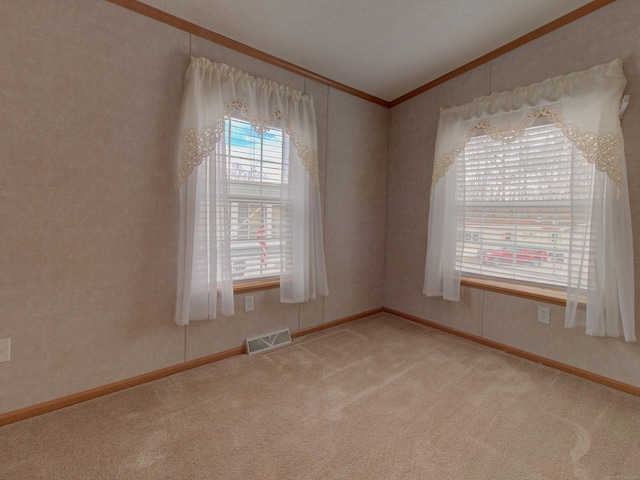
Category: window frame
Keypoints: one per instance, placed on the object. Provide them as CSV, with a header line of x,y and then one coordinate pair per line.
x,y
538,291
269,281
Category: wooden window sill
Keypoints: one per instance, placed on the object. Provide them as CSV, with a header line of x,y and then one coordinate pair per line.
x,y
538,294
256,285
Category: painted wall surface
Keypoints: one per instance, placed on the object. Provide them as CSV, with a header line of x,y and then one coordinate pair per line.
x,y
89,102
609,33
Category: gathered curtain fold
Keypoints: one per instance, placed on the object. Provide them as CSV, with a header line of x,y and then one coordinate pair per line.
x,y
214,92
585,107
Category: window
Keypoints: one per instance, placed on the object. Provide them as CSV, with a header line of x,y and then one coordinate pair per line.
x,y
516,205
249,192
538,175
254,193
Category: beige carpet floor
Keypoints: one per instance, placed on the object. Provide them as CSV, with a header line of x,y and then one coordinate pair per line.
x,y
379,398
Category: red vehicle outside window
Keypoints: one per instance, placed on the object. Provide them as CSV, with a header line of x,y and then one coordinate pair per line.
x,y
511,255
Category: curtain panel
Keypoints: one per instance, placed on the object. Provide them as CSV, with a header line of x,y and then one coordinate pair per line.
x,y
585,107
214,92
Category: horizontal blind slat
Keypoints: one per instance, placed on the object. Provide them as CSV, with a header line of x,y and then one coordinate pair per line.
x,y
516,209
255,174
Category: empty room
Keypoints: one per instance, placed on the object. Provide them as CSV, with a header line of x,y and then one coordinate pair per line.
x,y
319,240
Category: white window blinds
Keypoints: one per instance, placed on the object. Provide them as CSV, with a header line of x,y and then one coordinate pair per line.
x,y
514,207
254,193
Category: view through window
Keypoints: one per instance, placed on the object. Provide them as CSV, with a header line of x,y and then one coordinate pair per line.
x,y
514,210
255,171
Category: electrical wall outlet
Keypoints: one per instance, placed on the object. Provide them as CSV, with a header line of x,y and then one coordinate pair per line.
x,y
248,303
543,315
5,349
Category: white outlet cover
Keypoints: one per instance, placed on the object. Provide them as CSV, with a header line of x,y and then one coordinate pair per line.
x,y
248,303
543,315
5,349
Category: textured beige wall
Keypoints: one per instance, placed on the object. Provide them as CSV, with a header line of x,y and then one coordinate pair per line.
x,y
609,33
89,101
355,204
89,98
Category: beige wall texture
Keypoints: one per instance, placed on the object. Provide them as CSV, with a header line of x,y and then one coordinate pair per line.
x,y
609,33
89,102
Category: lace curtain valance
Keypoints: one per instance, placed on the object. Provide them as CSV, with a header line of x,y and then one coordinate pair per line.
x,y
585,107
215,91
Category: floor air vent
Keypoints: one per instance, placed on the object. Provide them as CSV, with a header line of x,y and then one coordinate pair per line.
x,y
269,341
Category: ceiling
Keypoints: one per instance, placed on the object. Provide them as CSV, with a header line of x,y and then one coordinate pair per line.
x,y
385,48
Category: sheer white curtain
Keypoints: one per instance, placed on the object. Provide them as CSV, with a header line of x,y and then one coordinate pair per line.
x,y
214,92
585,107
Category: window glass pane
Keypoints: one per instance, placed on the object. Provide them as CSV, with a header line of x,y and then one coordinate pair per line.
x,y
255,174
514,207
